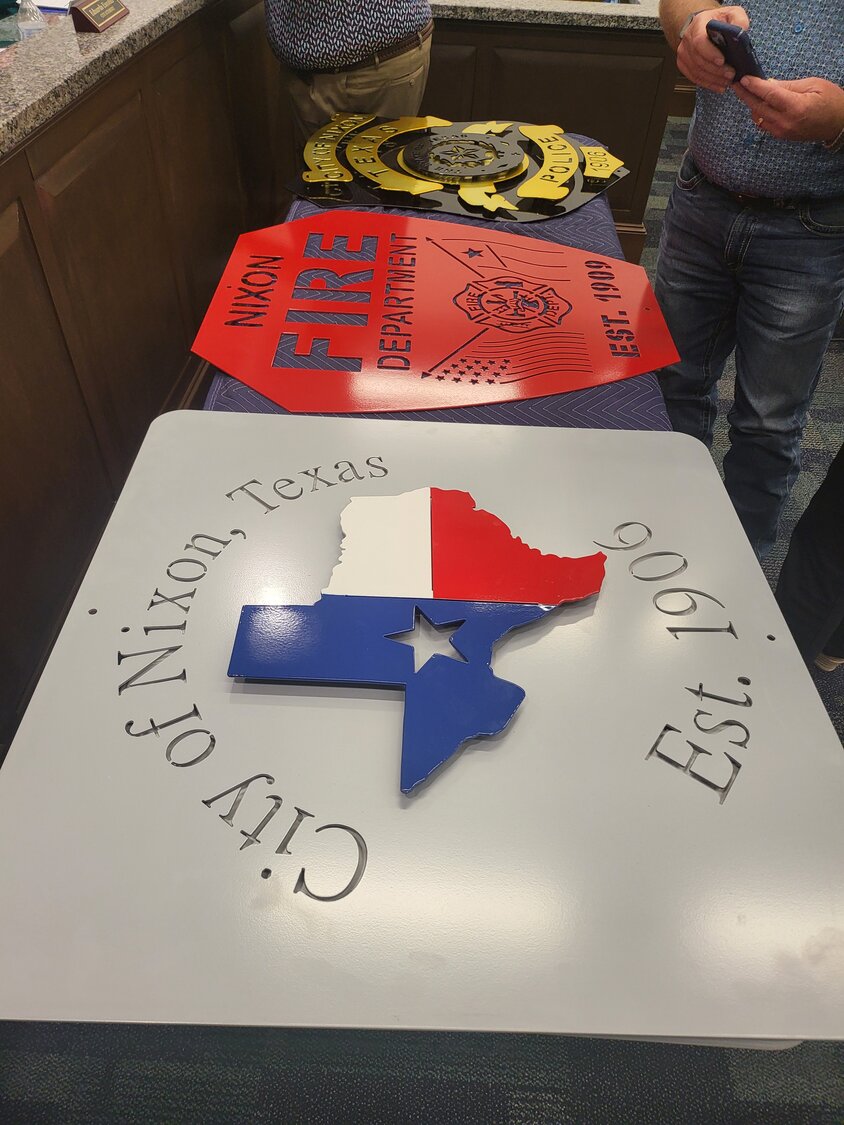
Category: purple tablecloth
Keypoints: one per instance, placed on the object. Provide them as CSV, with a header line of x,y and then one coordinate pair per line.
x,y
631,404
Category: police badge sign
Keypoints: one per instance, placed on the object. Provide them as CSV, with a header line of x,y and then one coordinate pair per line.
x,y
509,170
333,313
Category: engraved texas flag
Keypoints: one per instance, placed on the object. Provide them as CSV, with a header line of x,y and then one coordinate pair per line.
x,y
422,562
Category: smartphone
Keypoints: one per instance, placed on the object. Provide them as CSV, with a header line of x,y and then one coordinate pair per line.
x,y
734,44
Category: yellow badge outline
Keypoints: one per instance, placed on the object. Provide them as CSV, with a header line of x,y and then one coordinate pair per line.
x,y
484,195
358,155
487,127
548,183
594,156
330,135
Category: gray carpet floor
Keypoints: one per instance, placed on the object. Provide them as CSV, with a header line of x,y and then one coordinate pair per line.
x,y
824,432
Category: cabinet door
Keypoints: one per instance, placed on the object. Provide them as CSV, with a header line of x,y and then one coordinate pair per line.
x,y
451,79
110,264
267,146
55,496
191,129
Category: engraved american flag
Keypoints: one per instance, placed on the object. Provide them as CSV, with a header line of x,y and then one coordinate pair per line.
x,y
497,357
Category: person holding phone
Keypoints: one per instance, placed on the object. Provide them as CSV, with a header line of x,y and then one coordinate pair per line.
x,y
751,255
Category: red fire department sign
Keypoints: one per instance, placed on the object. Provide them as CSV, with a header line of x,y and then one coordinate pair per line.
x,y
353,312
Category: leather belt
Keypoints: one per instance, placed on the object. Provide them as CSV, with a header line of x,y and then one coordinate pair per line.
x,y
761,202
416,39
764,202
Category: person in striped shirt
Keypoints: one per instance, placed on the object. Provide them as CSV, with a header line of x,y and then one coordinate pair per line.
x,y
355,56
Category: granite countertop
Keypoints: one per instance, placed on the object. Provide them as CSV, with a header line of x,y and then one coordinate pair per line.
x,y
50,70
642,16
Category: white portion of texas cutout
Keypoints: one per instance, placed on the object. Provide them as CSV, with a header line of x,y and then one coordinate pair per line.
x,y
386,547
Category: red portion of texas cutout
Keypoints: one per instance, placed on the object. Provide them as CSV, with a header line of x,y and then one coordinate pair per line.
x,y
475,557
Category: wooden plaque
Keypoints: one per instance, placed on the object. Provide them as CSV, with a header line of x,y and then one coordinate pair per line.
x,y
97,15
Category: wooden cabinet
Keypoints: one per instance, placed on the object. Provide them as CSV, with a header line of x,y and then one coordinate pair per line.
x,y
140,203
55,495
682,101
613,86
263,125
192,134
115,223
103,215
450,92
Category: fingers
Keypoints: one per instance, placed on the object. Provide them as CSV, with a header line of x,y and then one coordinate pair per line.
x,y
778,96
701,61
775,122
764,116
736,16
807,85
754,103
802,109
777,108
716,78
698,57
757,87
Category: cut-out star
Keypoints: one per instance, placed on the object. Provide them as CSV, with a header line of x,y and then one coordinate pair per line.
x,y
473,253
427,640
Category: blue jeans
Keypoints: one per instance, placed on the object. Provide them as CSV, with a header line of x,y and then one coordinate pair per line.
x,y
769,285
811,586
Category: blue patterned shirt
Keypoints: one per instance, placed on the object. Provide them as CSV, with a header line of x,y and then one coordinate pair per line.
x,y
792,39
324,34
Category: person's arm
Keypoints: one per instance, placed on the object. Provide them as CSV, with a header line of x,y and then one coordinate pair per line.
x,y
805,109
698,58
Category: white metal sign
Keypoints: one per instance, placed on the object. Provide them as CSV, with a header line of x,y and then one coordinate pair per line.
x,y
652,847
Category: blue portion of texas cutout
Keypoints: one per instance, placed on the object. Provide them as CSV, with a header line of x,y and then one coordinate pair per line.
x,y
346,640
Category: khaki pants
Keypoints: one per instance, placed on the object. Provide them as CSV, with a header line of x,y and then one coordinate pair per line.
x,y
392,88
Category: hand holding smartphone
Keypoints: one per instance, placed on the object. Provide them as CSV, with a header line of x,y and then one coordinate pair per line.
x,y
734,44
